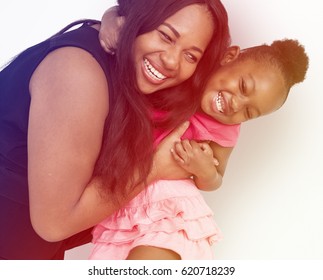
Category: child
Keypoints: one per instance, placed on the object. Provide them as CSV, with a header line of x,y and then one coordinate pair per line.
x,y
170,219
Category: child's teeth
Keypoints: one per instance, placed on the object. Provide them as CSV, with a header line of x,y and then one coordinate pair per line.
x,y
219,102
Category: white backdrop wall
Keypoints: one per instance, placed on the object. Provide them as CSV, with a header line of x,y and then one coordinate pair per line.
x,y
271,203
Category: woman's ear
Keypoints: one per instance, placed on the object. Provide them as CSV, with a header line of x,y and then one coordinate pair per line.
x,y
230,55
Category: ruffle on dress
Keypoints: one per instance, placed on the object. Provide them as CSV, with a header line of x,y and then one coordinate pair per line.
x,y
163,207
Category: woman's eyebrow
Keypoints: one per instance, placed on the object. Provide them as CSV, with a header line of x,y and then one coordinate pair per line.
x,y
172,29
176,33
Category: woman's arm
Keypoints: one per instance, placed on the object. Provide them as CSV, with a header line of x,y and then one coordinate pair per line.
x,y
69,105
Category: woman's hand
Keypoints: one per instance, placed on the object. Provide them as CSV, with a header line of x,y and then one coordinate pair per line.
x,y
165,167
111,24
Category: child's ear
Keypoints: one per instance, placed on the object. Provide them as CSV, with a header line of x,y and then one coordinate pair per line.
x,y
230,55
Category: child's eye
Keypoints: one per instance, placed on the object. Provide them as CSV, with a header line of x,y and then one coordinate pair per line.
x,y
165,37
191,58
243,86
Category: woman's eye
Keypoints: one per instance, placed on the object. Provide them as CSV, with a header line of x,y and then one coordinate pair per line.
x,y
191,58
165,37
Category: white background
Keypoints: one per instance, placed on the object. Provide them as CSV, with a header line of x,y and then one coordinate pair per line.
x,y
271,203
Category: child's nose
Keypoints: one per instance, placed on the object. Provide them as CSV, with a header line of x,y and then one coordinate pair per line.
x,y
238,103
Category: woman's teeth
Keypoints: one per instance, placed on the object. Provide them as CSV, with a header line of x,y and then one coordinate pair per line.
x,y
153,72
219,102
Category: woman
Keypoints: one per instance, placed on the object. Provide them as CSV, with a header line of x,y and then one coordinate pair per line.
x,y
55,109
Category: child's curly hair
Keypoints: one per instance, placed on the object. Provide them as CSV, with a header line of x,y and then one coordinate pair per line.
x,y
287,55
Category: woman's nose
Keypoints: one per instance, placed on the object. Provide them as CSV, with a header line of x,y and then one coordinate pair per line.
x,y
170,60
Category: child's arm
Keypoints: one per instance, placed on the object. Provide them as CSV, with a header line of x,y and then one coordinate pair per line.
x,y
206,162
111,24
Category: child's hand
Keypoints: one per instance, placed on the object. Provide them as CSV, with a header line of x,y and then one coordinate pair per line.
x,y
194,157
198,160
111,25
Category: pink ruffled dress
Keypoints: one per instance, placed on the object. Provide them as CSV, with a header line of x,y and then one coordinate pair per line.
x,y
170,214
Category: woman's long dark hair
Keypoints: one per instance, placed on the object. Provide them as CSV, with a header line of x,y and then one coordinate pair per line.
x,y
127,148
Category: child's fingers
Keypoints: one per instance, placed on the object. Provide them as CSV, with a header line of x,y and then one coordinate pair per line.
x,y
177,157
109,43
180,151
185,150
206,148
106,45
107,40
186,145
120,22
195,146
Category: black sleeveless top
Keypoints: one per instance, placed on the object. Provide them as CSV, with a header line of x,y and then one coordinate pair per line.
x,y
14,113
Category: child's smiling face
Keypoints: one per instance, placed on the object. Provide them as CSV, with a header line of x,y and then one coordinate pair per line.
x,y
243,90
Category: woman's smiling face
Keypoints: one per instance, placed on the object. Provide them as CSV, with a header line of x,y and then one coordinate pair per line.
x,y
169,55
243,90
